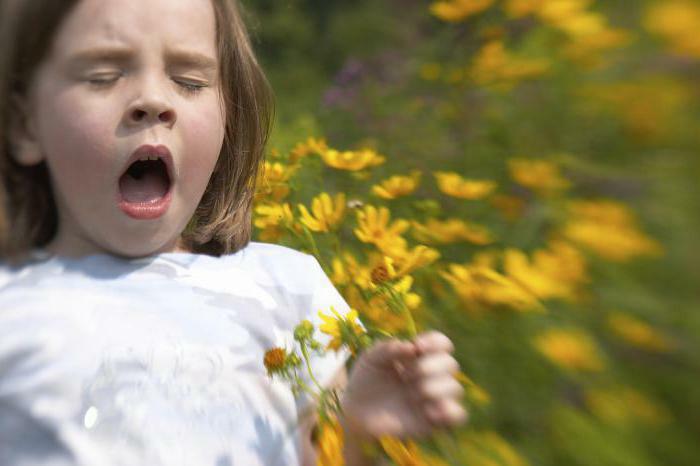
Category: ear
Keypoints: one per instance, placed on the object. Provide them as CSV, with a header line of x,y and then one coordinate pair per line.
x,y
24,146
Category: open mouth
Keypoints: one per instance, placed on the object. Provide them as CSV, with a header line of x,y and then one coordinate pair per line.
x,y
145,181
145,187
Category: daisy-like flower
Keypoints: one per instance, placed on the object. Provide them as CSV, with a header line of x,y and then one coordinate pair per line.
x,y
458,10
571,349
327,212
304,149
344,330
454,185
273,181
352,160
373,227
609,229
397,186
273,215
638,333
478,286
408,260
542,176
495,67
557,272
451,230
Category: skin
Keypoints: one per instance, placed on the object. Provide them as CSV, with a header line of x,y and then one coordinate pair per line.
x,y
86,117
404,389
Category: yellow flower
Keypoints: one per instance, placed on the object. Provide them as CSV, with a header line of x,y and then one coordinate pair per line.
x,y
451,230
646,107
487,448
625,405
519,8
609,229
559,11
273,181
678,22
373,227
304,149
347,270
330,444
454,185
407,453
382,311
556,272
327,212
570,349
478,286
458,10
638,333
496,68
406,261
352,160
272,218
397,186
344,330
541,176
273,215
339,275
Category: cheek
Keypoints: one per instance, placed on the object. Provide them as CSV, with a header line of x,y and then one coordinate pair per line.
x,y
203,134
72,135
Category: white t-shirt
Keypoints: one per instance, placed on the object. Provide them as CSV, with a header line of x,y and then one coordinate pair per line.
x,y
156,361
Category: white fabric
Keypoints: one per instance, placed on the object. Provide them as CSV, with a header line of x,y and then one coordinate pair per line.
x,y
156,361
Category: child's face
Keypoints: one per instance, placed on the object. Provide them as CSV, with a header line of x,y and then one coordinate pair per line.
x,y
120,76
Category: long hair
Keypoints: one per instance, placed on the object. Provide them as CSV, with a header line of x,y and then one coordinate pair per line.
x,y
221,223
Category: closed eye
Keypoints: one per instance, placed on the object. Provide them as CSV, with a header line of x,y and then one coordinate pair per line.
x,y
191,87
103,80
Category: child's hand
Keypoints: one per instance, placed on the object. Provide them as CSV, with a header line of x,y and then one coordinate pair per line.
x,y
404,389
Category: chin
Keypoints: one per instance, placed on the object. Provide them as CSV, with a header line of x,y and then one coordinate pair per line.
x,y
143,249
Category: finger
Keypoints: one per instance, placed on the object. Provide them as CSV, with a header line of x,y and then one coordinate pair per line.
x,y
433,342
434,389
445,413
429,366
389,352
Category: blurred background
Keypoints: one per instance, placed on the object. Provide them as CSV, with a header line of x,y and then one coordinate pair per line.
x,y
545,155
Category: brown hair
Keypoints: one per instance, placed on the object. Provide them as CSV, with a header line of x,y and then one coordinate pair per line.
x,y
222,221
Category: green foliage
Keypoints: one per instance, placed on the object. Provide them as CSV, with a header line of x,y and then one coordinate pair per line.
x,y
620,121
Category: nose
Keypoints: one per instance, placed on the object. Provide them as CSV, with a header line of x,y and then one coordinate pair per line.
x,y
151,107
146,112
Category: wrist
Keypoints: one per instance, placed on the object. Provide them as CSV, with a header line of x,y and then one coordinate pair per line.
x,y
359,447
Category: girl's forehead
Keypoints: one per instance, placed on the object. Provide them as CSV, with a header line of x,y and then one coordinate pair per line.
x,y
138,23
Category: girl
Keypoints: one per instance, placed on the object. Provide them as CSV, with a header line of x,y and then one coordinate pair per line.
x,y
134,310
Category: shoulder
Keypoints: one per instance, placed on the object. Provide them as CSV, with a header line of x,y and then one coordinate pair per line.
x,y
277,264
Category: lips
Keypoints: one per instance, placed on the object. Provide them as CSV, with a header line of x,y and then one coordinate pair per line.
x,y
145,186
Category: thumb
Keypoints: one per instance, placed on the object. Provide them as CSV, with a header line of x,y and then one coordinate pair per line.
x,y
387,352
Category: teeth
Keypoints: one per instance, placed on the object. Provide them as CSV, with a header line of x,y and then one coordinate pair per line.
x,y
148,157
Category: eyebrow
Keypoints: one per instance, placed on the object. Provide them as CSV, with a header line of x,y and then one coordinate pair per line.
x,y
125,55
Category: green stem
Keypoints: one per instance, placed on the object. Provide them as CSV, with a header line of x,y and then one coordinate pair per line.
x,y
305,353
397,298
312,242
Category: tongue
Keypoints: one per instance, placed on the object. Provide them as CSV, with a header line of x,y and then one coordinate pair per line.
x,y
151,186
